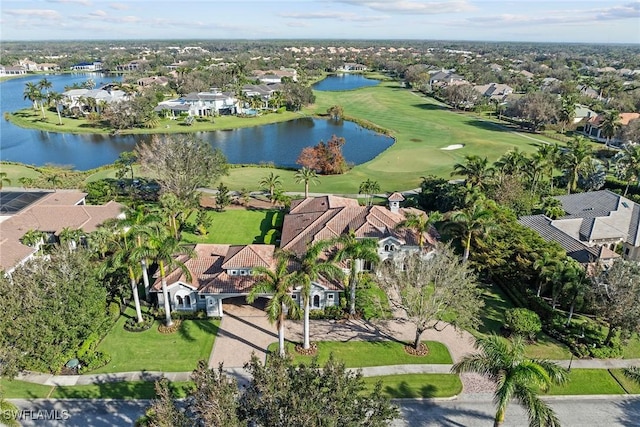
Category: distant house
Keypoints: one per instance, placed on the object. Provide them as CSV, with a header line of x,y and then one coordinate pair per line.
x,y
200,104
49,212
135,65
445,77
352,66
12,71
87,66
494,91
274,76
527,74
595,223
592,127
74,98
153,80
588,91
583,112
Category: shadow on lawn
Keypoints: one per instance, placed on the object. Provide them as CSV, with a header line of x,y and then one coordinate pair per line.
x,y
430,107
403,391
206,326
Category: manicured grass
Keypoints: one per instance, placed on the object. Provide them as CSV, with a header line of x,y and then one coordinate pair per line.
x,y
14,389
119,390
629,386
153,351
16,171
417,385
588,381
358,354
492,319
631,350
240,227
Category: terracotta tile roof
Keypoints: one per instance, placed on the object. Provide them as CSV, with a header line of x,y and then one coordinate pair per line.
x,y
396,197
51,213
249,256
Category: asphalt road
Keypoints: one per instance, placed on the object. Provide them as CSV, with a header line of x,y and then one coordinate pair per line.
x,y
467,412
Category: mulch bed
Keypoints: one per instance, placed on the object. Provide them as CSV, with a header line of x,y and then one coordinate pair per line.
x,y
311,351
170,329
422,350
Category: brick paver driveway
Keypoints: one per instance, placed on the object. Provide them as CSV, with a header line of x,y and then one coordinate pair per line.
x,y
244,330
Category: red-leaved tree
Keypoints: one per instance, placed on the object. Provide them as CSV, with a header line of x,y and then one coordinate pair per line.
x,y
325,158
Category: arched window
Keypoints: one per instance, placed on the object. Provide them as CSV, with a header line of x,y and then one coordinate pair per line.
x,y
316,300
180,300
187,300
386,248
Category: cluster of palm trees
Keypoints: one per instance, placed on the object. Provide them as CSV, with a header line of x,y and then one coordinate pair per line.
x,y
34,93
576,161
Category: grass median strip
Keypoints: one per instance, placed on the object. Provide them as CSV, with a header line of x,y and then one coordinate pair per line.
x,y
358,354
412,386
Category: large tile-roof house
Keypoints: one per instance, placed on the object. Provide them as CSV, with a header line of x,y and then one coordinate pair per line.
x,y
594,224
225,271
50,212
494,91
200,104
593,126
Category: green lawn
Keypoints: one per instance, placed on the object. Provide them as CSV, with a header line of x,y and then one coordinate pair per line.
x,y
153,351
588,381
417,385
631,350
629,386
16,171
119,390
492,318
358,354
240,227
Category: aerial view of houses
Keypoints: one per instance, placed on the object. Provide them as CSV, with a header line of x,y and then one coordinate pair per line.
x,y
292,219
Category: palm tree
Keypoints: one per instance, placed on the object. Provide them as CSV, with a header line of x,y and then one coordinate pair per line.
x,y
306,175
577,288
279,283
140,224
56,97
45,84
516,377
472,221
420,224
357,251
633,372
312,266
163,248
33,238
8,413
576,159
31,92
550,156
545,266
271,182
25,181
125,255
476,170
512,162
369,188
630,161
609,125
4,179
54,180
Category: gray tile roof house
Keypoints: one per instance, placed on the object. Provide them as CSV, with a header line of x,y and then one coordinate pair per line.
x,y
595,222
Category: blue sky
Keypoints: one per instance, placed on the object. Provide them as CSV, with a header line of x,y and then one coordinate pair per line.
x,y
601,21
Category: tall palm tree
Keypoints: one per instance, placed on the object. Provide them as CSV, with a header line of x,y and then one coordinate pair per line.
x,y
420,224
512,162
279,283
271,182
545,266
25,181
163,248
630,161
125,255
54,180
307,176
369,187
576,159
55,98
577,288
475,169
140,223
31,92
472,221
45,84
357,251
610,125
550,156
312,266
516,377
4,179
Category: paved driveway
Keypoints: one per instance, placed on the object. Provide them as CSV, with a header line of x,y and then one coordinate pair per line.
x,y
244,330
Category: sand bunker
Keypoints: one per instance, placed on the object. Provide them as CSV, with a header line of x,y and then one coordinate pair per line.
x,y
453,147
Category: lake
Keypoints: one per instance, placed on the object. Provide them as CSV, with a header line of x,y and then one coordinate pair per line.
x,y
336,82
279,143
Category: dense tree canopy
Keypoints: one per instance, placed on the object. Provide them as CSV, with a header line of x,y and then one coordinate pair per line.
x,y
181,164
58,303
280,394
325,158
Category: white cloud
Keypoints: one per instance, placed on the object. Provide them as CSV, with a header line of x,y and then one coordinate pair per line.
x,y
406,7
338,16
119,6
82,2
35,13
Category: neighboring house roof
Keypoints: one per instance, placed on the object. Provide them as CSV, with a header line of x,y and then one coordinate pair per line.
x,y
623,119
494,90
592,219
311,220
396,197
52,213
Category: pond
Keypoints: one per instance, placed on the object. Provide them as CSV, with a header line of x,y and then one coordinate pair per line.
x,y
336,82
279,143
